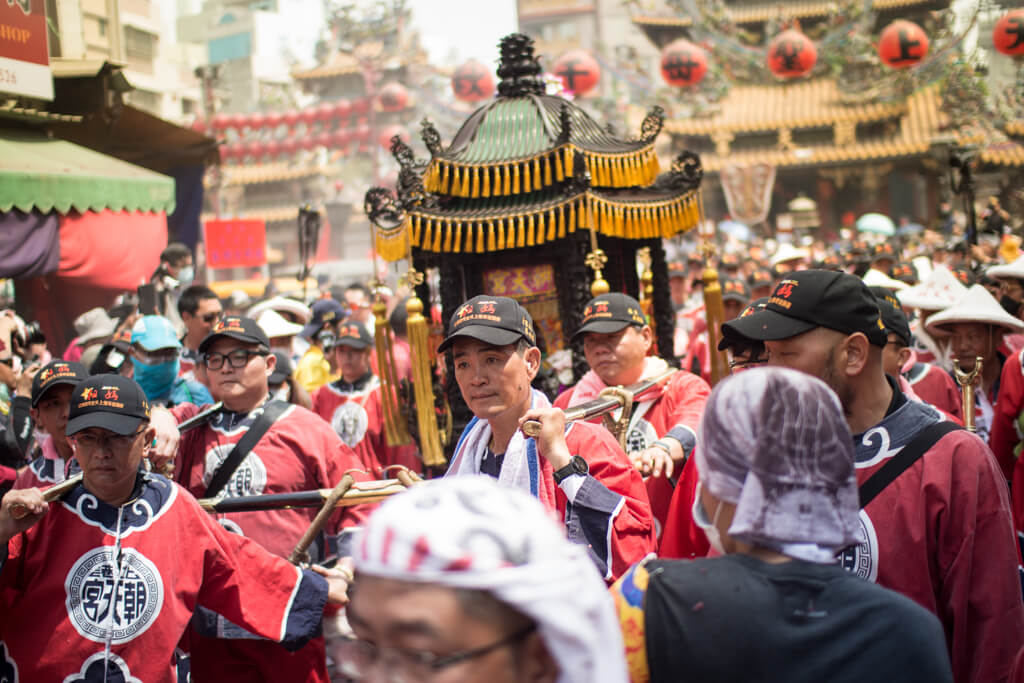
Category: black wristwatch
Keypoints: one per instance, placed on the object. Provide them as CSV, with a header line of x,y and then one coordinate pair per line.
x,y
577,465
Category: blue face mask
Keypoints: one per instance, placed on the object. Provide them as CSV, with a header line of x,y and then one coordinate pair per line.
x,y
186,275
156,380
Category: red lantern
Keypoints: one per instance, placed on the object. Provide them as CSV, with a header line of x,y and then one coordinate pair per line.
x,y
291,118
340,138
1008,33
384,139
257,121
325,112
272,149
393,97
220,121
225,152
578,70
473,82
323,140
362,133
791,54
342,108
238,122
290,146
253,150
307,142
360,105
199,126
683,63
308,116
273,119
902,44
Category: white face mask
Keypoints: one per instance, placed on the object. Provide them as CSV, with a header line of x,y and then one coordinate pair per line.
x,y
700,517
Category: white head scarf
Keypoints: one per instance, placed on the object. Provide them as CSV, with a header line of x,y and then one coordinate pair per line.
x,y
774,442
473,533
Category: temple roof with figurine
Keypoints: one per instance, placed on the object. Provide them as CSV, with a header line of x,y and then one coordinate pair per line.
x,y
529,168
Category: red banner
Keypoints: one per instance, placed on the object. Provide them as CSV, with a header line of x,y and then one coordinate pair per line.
x,y
24,56
235,243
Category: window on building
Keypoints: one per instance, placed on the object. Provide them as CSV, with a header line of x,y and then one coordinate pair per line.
x,y
145,99
101,27
139,44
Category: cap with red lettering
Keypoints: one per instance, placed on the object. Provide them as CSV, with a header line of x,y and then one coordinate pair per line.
x,y
234,327
495,320
110,402
353,334
807,299
609,313
54,373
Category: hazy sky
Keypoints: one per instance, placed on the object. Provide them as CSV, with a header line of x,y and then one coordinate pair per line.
x,y
468,28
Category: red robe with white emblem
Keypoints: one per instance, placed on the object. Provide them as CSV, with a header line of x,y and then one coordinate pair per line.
x,y
93,587
356,415
678,403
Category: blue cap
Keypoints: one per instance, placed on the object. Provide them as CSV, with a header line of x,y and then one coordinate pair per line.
x,y
324,311
153,332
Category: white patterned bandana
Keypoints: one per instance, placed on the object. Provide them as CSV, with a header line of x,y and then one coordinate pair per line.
x,y
774,442
472,532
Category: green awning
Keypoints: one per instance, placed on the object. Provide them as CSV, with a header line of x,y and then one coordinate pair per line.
x,y
43,174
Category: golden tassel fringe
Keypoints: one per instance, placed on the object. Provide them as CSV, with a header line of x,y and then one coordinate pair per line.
x,y
423,385
394,424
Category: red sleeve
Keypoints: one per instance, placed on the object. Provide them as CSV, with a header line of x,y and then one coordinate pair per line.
x,y
617,495
681,538
687,394
1004,438
979,591
190,449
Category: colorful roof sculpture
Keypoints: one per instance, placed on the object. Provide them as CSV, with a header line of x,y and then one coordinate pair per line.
x,y
530,168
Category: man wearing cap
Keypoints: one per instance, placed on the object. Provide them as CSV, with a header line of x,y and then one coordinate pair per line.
x,y
939,532
352,404
663,423
199,309
778,499
463,579
975,326
102,586
51,398
577,470
934,386
297,452
155,361
735,295
314,370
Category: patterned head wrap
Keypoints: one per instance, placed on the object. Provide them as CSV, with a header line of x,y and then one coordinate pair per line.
x,y
775,443
473,533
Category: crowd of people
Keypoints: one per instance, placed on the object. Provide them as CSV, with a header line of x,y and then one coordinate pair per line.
x,y
832,510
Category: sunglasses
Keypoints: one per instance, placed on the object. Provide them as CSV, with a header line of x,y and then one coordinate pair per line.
x,y
210,318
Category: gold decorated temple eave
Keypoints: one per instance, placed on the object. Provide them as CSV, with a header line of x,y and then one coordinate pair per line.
x,y
757,12
646,214
635,168
1004,154
252,174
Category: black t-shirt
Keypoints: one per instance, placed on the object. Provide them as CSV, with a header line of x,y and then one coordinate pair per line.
x,y
736,618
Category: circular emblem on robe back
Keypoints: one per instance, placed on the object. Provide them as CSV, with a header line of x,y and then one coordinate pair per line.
x,y
101,669
249,478
862,559
350,422
110,599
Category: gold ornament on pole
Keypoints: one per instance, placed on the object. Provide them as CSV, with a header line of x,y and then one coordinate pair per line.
x,y
966,381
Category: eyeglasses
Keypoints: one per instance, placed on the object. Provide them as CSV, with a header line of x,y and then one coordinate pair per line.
x,y
741,363
238,358
210,318
115,442
358,658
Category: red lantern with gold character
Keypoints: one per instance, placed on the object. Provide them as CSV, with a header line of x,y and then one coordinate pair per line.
x,y
473,82
578,71
902,44
393,97
791,54
683,63
1008,33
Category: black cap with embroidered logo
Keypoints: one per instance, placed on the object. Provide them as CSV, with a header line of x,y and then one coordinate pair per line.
x,y
610,313
893,317
735,289
325,311
806,299
234,327
110,402
496,320
54,373
354,334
